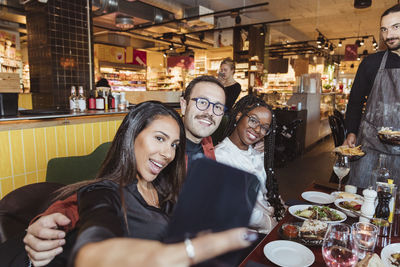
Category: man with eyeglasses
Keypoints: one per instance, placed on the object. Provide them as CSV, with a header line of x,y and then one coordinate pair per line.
x,y
202,107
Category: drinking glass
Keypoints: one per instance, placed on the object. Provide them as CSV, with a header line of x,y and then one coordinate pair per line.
x,y
338,247
341,168
364,235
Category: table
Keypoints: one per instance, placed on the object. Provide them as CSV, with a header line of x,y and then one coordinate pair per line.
x,y
257,255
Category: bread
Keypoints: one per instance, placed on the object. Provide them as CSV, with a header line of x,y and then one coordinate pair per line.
x,y
371,260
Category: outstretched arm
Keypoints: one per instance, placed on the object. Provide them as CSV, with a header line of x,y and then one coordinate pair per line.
x,y
137,252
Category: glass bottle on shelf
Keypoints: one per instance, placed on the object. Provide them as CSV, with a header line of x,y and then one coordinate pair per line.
x,y
81,100
73,101
100,103
92,100
111,101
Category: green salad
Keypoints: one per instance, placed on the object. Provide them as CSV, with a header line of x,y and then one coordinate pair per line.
x,y
319,213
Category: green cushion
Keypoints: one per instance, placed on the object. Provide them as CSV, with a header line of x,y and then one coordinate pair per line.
x,y
69,170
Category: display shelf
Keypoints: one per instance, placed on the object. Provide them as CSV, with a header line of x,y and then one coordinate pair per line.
x,y
124,77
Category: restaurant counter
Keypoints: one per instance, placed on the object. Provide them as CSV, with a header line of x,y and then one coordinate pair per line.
x,y
28,142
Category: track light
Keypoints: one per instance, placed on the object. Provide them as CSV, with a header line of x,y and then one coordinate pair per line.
x,y
171,47
165,54
201,36
365,52
319,45
331,47
358,57
183,38
358,43
320,39
374,43
238,19
326,45
340,43
362,42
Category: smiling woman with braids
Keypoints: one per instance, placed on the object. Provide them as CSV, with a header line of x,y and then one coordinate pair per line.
x,y
251,120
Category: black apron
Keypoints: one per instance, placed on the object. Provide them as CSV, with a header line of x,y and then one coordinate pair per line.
x,y
382,110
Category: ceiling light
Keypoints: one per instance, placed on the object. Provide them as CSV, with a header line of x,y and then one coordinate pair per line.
x,y
331,47
171,47
362,3
358,58
201,36
319,46
183,38
374,43
340,43
326,45
124,22
362,42
238,19
358,43
165,54
365,52
320,39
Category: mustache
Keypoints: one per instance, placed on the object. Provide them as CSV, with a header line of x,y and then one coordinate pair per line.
x,y
208,117
391,39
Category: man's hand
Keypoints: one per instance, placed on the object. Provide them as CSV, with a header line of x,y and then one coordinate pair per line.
x,y
259,146
350,140
43,241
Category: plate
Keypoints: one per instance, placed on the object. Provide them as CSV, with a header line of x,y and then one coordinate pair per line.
x,y
318,197
386,252
393,140
347,211
288,254
293,209
298,239
351,157
342,194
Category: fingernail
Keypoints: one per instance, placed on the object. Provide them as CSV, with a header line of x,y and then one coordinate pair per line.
x,y
62,242
61,235
250,236
59,250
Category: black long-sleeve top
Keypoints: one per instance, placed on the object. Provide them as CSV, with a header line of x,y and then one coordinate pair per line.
x,y
232,92
362,86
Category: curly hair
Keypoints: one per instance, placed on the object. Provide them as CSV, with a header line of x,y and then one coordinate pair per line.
x,y
244,106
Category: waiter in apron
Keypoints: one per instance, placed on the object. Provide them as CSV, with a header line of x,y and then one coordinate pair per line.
x,y
377,83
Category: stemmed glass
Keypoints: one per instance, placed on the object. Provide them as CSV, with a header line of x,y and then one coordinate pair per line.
x,y
338,247
341,168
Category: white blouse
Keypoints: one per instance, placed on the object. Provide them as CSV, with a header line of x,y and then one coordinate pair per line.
x,y
251,161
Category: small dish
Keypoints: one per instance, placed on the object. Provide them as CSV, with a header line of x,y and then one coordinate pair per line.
x,y
278,251
386,254
349,212
294,235
347,195
318,197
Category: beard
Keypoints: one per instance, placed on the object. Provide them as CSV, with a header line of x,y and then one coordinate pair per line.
x,y
394,47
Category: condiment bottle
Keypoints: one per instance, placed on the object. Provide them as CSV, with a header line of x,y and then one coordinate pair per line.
x,y
368,207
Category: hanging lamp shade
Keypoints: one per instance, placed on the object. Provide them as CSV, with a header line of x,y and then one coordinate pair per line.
x,y
362,3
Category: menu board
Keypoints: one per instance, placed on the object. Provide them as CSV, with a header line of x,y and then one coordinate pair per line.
x,y
110,53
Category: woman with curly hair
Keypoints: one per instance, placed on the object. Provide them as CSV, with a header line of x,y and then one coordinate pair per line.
x,y
252,120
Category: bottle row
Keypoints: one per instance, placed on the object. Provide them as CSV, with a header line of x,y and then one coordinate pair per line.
x,y
98,100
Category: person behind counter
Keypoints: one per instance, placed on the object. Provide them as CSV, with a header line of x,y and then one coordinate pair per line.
x,y
250,121
225,76
378,79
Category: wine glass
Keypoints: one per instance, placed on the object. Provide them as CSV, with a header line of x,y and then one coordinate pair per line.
x,y
338,247
341,168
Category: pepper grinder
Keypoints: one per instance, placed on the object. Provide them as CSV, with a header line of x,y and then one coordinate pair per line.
x,y
382,209
368,207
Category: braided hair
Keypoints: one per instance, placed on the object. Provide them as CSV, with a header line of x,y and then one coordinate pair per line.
x,y
244,106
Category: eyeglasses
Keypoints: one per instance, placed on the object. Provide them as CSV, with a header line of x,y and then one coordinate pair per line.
x,y
203,104
254,123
